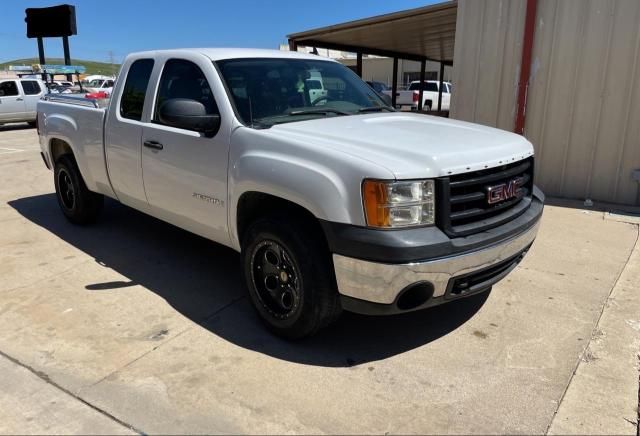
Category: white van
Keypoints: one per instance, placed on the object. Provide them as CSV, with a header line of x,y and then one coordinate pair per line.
x,y
18,100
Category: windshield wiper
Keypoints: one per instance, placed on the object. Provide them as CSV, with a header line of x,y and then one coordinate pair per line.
x,y
375,109
318,111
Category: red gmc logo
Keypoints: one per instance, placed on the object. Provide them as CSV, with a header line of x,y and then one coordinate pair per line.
x,y
504,191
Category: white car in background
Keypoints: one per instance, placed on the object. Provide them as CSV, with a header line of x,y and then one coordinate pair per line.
x,y
18,100
99,84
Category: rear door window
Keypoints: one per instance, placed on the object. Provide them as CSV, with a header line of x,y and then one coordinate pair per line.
x,y
428,86
135,88
314,84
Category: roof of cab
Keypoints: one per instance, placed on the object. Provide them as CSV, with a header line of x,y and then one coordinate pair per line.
x,y
216,54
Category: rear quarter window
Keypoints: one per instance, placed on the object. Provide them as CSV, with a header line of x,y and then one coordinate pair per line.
x,y
135,88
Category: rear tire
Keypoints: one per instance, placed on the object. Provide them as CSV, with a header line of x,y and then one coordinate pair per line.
x,y
289,276
78,204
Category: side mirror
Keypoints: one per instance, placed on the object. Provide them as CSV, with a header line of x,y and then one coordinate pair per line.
x,y
189,114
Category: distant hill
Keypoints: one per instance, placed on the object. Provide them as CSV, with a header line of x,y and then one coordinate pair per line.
x,y
92,67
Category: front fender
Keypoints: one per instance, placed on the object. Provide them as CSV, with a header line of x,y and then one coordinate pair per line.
x,y
315,187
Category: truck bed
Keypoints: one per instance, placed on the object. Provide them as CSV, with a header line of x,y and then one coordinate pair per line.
x,y
80,121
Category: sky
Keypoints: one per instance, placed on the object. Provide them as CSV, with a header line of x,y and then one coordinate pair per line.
x,y
121,26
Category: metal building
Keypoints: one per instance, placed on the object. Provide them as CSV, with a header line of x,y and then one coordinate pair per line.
x,y
564,73
582,108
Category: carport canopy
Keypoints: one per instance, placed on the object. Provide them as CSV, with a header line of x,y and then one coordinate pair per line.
x,y
420,34
426,33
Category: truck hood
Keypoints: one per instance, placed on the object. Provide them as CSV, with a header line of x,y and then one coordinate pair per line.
x,y
411,145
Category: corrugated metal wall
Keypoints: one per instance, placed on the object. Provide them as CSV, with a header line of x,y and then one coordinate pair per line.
x,y
583,109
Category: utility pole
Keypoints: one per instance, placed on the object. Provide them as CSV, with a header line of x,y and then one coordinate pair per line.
x,y
111,61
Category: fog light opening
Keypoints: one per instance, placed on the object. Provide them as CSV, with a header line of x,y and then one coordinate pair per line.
x,y
415,295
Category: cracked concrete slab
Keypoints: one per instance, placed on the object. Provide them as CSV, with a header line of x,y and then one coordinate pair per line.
x,y
30,405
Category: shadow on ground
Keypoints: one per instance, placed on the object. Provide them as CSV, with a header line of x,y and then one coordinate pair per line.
x,y
15,126
202,280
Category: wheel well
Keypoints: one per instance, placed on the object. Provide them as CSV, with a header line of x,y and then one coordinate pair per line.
x,y
58,148
255,205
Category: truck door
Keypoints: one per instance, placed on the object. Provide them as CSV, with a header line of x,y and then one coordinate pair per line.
x,y
185,172
123,135
32,92
11,102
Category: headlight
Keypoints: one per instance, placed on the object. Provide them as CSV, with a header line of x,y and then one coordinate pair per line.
x,y
398,204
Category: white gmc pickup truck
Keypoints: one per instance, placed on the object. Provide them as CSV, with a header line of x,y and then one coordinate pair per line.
x,y
334,203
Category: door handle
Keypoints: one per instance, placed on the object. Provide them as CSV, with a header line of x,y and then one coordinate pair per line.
x,y
153,144
19,99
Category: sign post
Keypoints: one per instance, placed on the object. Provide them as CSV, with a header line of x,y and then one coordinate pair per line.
x,y
41,51
55,21
67,56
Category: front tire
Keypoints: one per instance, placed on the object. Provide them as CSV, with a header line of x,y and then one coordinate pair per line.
x,y
290,276
78,204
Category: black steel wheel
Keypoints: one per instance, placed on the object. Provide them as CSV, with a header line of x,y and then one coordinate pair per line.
x,y
66,192
77,203
276,279
289,275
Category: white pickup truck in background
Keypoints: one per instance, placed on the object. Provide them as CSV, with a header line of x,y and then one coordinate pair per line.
x,y
334,200
18,100
408,100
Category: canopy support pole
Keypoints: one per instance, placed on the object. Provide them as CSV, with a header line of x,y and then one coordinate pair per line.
x,y
394,83
423,68
440,85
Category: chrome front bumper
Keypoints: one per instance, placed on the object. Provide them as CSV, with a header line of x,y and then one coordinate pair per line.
x,y
381,282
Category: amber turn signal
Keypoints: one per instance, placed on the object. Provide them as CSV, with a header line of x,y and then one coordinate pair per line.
x,y
391,204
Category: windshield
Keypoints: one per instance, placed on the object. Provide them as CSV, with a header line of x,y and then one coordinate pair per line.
x,y
95,83
273,91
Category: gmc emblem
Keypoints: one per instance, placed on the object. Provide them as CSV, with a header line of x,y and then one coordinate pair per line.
x,y
504,191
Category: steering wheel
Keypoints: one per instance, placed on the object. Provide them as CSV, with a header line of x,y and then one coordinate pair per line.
x,y
319,99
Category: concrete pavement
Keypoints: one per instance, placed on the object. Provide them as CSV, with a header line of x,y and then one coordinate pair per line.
x,y
31,405
607,375
134,325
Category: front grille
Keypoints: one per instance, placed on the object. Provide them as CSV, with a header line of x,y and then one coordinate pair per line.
x,y
481,280
462,199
